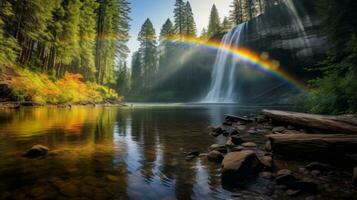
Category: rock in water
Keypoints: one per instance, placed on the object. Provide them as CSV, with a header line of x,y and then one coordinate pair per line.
x,y
36,151
237,140
354,180
239,166
215,156
218,147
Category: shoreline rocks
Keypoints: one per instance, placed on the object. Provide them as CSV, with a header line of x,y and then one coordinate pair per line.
x,y
36,151
239,166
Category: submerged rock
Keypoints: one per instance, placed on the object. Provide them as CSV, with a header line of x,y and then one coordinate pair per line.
x,y
285,176
237,140
218,147
36,151
267,161
215,156
239,166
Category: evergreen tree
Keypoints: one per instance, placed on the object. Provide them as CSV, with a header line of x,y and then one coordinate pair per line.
x,y
167,31
179,14
8,45
88,21
190,24
112,34
236,14
214,25
136,73
226,25
148,53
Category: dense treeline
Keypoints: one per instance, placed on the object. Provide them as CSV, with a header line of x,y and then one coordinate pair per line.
x,y
78,36
335,92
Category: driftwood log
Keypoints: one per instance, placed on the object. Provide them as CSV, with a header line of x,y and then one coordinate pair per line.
x,y
324,146
346,124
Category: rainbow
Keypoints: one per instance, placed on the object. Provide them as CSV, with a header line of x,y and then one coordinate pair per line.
x,y
258,62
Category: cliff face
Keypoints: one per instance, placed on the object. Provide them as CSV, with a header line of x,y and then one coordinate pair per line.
x,y
290,33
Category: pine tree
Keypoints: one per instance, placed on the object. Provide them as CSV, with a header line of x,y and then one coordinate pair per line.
x,y
112,35
179,14
214,22
136,73
148,53
167,31
8,45
226,25
236,14
190,24
88,20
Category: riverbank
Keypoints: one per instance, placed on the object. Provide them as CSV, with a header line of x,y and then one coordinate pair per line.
x,y
23,87
305,156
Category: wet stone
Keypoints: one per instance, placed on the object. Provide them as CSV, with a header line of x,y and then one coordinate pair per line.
x,y
215,156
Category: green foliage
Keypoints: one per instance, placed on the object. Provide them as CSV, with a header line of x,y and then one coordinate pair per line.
x,y
8,45
179,14
190,25
148,54
214,26
335,91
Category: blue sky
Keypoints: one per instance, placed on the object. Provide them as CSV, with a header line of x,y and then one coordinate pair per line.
x,y
159,10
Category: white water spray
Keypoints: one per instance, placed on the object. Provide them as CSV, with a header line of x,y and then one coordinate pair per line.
x,y
224,70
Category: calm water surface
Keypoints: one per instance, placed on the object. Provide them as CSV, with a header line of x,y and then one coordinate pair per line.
x,y
114,153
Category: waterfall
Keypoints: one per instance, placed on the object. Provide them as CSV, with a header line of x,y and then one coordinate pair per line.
x,y
224,70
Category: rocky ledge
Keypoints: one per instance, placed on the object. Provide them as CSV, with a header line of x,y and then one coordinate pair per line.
x,y
262,146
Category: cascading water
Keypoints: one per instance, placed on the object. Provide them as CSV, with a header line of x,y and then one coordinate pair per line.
x,y
224,70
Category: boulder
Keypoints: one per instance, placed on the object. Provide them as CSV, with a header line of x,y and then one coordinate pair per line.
x,y
238,148
218,147
249,145
238,167
267,161
237,140
230,144
36,151
354,178
215,156
285,176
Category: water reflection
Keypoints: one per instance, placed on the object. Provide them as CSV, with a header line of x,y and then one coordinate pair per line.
x,y
111,153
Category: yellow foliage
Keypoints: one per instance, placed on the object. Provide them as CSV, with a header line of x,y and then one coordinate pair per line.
x,y
37,87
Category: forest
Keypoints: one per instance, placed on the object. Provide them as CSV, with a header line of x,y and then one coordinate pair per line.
x,y
178,99
81,45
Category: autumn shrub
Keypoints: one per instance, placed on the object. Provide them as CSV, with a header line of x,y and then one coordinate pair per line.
x,y
38,87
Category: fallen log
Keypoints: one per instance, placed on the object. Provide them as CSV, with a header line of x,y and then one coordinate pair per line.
x,y
237,118
320,146
346,124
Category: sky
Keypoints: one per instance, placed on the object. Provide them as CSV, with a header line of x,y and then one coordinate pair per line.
x,y
159,10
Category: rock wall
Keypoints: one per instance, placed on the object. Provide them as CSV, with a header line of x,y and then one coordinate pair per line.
x,y
295,42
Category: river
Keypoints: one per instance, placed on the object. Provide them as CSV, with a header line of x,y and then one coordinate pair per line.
x,y
136,152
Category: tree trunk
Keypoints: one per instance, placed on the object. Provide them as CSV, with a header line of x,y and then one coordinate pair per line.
x,y
346,124
317,146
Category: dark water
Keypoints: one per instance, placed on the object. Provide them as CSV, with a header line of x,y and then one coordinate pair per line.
x,y
113,153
